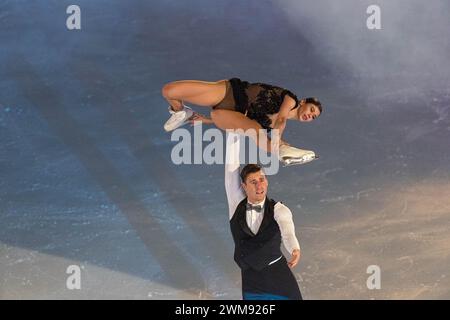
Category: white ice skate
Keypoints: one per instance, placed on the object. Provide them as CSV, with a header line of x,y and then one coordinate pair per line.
x,y
178,118
290,156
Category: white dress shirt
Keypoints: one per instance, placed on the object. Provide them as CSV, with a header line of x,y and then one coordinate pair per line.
x,y
255,218
235,194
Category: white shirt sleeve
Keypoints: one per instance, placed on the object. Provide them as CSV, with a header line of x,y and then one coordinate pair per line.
x,y
233,187
283,216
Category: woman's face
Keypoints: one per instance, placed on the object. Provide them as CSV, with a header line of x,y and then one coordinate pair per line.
x,y
307,112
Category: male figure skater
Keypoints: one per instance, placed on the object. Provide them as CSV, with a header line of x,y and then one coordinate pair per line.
x,y
258,225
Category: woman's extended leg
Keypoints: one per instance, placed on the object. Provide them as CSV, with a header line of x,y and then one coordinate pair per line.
x,y
200,93
227,119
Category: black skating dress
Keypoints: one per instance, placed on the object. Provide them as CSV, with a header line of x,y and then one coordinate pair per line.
x,y
255,100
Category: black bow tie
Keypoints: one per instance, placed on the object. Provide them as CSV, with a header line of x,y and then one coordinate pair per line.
x,y
257,208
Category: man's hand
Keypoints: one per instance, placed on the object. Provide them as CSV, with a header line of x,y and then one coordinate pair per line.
x,y
199,117
295,258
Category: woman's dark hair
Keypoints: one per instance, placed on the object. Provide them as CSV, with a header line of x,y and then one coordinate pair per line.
x,y
315,102
249,169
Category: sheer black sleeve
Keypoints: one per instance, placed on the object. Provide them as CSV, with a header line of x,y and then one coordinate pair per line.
x,y
290,94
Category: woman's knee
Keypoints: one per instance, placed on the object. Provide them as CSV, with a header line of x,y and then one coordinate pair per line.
x,y
169,90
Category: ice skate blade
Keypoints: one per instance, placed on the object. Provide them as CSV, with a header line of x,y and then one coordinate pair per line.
x,y
289,161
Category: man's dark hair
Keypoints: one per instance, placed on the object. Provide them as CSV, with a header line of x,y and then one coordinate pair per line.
x,y
315,102
249,169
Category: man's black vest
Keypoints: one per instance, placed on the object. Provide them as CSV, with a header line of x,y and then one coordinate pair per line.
x,y
255,251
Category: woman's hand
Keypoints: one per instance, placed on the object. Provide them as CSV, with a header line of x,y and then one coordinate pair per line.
x,y
282,142
294,259
199,117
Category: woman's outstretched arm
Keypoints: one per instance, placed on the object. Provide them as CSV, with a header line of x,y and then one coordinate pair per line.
x,y
280,123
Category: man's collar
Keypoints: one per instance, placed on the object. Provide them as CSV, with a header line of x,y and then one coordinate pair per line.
x,y
257,203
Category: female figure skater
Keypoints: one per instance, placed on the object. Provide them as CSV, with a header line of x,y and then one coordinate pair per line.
x,y
237,104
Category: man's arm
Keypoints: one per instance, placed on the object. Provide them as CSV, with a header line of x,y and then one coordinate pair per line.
x,y
233,188
283,216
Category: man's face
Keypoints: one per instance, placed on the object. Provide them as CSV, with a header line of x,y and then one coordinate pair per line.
x,y
255,186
